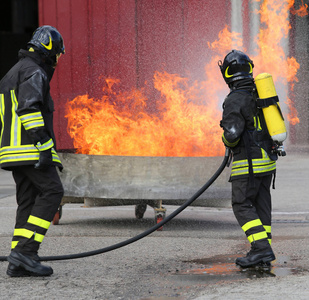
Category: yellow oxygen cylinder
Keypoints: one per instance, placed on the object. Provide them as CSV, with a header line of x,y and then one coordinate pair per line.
x,y
271,109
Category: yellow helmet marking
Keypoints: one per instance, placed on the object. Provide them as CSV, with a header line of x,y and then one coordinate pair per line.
x,y
49,46
251,69
227,75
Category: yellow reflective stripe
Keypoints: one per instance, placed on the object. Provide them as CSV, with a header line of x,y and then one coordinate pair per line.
x,y
14,244
34,124
257,236
23,232
264,153
227,143
32,116
49,144
16,124
255,161
2,105
19,157
257,123
32,120
2,110
267,228
19,153
23,153
56,159
251,224
259,165
38,237
55,156
27,234
38,222
261,169
21,148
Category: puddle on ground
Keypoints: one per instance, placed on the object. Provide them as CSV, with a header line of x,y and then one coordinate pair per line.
x,y
223,268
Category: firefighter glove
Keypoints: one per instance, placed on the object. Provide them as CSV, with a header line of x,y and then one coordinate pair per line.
x,y
46,157
45,160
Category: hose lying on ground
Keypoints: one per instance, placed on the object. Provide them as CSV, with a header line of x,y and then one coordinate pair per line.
x,y
151,229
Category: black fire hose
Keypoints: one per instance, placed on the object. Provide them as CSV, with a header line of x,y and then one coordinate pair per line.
x,y
151,229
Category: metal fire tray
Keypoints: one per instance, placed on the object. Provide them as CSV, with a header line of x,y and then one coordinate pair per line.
x,y
99,180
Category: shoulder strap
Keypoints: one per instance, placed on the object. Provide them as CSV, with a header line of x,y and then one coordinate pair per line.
x,y
262,103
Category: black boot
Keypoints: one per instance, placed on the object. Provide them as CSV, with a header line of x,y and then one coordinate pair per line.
x,y
14,271
256,256
26,263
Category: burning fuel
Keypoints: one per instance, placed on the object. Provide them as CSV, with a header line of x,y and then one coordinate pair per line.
x,y
187,115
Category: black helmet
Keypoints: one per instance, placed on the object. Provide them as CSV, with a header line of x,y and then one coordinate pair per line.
x,y
47,40
236,65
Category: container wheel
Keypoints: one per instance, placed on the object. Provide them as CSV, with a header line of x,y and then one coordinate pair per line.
x,y
140,210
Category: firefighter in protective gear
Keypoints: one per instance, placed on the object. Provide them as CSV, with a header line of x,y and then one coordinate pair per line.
x,y
28,148
252,169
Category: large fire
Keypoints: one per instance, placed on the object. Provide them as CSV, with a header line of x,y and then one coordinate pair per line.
x,y
186,120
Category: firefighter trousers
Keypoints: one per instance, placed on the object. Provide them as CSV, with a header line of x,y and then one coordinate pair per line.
x,y
252,208
38,194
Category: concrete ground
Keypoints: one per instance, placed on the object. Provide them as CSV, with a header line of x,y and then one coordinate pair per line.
x,y
192,258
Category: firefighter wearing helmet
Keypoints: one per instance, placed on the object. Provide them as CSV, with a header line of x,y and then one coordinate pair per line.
x,y
28,148
254,165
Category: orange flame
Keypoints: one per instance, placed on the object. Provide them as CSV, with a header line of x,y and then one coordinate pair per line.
x,y
302,11
186,122
125,128
274,15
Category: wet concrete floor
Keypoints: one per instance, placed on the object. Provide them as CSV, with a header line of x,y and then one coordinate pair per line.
x,y
223,268
192,258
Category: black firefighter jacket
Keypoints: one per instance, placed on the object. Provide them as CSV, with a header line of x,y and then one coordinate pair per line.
x,y
241,124
26,112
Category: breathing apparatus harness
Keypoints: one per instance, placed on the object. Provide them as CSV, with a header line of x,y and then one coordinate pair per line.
x,y
246,85
226,162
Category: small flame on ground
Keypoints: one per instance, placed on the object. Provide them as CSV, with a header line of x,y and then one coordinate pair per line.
x,y
187,116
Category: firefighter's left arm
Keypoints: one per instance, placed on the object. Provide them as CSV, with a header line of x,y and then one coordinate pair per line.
x,y
232,122
30,97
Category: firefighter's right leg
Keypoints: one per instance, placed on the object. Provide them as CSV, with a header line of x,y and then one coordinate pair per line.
x,y
25,196
30,234
243,195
